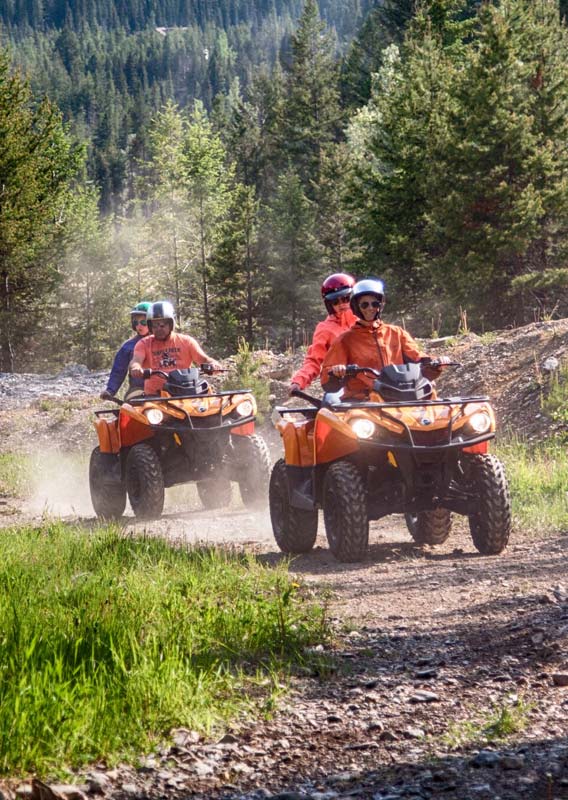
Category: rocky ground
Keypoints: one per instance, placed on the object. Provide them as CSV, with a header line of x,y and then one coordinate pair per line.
x,y
448,673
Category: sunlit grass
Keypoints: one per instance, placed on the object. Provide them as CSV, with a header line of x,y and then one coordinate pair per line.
x,y
108,642
538,478
16,470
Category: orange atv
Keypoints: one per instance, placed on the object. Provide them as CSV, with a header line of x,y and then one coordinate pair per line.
x,y
188,433
405,451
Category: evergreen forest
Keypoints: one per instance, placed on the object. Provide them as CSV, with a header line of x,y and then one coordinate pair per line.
x,y
229,155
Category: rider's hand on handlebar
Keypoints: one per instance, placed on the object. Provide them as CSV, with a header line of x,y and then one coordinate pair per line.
x,y
294,387
136,371
209,367
106,395
338,370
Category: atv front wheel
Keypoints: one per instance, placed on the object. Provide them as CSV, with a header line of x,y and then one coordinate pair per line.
x,y
430,527
145,481
214,492
295,530
490,524
108,497
254,469
345,512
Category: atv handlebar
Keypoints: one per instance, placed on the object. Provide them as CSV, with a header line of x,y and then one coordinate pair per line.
x,y
354,369
207,369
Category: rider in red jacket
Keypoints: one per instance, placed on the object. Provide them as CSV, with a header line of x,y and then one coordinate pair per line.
x,y
336,292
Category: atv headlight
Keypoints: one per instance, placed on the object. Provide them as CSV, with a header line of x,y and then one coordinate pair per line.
x,y
245,408
480,422
363,428
154,416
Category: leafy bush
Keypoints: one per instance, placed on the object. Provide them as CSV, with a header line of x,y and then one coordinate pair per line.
x,y
246,376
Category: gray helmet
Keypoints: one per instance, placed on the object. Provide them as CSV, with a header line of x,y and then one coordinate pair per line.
x,y
373,286
163,309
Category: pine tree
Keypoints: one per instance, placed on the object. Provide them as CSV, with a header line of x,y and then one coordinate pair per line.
x,y
207,177
37,162
239,275
294,259
312,114
504,218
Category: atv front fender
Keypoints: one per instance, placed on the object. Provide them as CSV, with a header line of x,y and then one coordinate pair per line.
x,y
109,435
334,438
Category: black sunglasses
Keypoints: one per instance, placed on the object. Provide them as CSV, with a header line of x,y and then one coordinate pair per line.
x,y
137,322
338,300
373,303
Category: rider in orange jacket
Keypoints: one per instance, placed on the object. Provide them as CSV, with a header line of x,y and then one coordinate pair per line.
x,y
369,343
336,292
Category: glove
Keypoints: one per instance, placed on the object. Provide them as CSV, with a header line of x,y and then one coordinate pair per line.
x,y
106,395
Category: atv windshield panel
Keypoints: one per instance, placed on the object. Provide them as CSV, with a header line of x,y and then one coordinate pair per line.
x,y
403,383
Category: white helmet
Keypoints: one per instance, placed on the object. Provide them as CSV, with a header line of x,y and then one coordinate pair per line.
x,y
163,309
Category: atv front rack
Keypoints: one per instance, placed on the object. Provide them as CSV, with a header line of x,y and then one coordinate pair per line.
x,y
139,401
447,401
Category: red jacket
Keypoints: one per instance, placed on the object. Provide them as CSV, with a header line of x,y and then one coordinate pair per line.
x,y
373,346
325,334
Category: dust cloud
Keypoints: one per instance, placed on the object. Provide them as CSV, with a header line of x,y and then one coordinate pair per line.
x,y
60,489
60,486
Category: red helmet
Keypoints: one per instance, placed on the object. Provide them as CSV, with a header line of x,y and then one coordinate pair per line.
x,y
340,284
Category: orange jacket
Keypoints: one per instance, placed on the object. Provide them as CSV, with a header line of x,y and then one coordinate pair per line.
x,y
325,334
373,346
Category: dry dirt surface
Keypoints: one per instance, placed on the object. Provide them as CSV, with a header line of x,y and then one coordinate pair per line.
x,y
448,673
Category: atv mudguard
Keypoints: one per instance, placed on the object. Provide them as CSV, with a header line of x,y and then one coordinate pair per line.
x,y
334,439
298,439
109,435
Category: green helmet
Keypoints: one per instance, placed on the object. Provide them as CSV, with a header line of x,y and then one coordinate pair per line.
x,y
141,308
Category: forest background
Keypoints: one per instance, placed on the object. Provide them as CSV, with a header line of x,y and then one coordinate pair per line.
x,y
228,155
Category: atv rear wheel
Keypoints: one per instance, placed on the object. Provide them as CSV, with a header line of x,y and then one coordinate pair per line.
x,y
490,524
429,527
254,469
145,481
345,512
214,492
295,530
108,497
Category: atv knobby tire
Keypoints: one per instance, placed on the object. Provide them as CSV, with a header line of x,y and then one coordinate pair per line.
x,y
145,481
490,524
254,469
295,530
345,512
108,499
215,492
430,527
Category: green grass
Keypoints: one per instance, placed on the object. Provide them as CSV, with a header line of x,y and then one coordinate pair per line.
x,y
496,724
16,470
108,642
555,399
538,478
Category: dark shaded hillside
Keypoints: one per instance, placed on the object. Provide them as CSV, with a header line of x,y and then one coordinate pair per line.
x,y
42,15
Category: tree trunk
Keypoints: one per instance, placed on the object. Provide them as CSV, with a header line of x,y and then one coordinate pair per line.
x,y
204,284
6,348
249,291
